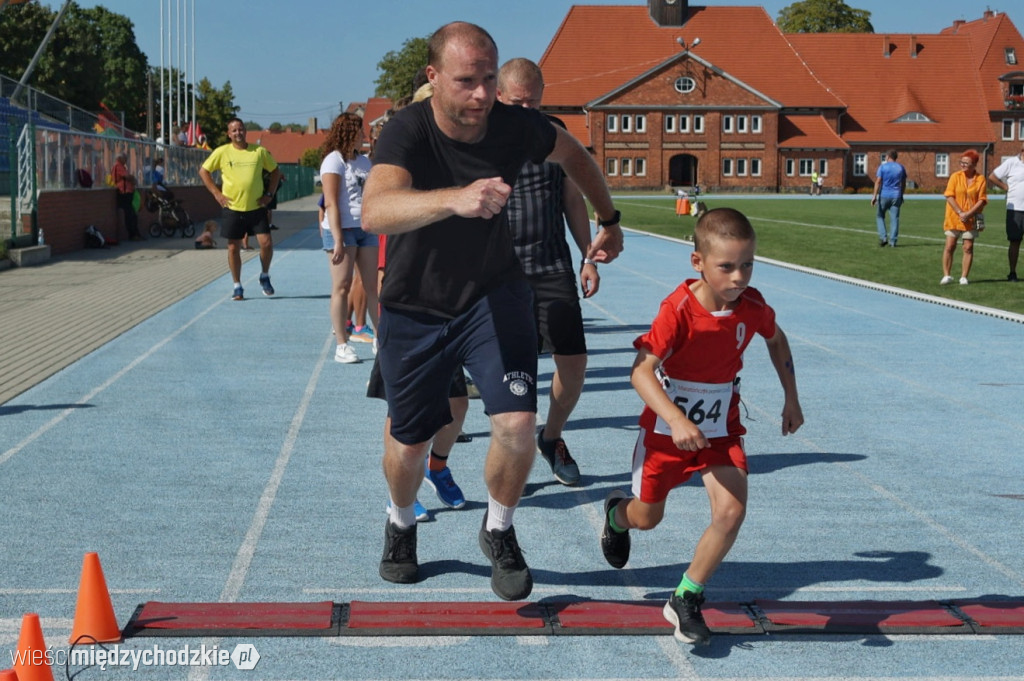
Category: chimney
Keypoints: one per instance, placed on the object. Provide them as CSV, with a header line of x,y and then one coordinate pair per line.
x,y
669,13
886,47
913,47
311,127
988,14
957,23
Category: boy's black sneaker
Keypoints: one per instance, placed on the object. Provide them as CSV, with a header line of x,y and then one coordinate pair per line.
x,y
399,561
510,576
614,545
684,613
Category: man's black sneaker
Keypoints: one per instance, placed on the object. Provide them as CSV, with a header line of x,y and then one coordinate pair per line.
x,y
614,545
399,562
563,466
684,613
510,577
1012,276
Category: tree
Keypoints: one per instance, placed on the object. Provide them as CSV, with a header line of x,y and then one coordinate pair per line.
x,y
214,108
397,69
124,66
824,16
311,158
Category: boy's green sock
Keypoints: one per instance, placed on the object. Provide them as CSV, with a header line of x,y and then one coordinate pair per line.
x,y
688,585
611,521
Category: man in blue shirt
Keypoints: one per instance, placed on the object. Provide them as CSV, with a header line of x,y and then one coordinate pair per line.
x,y
890,183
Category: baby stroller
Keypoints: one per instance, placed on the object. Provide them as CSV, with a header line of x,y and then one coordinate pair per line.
x,y
171,214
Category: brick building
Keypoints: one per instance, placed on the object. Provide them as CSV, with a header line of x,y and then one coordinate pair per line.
x,y
677,95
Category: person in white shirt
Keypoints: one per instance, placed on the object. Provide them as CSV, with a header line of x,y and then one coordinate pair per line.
x,y
1009,177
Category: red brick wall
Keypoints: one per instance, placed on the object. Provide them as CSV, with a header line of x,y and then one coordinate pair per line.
x,y
64,215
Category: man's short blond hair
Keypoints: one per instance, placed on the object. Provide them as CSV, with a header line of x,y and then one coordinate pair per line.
x,y
519,70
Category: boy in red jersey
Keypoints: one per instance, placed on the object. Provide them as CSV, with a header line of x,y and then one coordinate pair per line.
x,y
686,372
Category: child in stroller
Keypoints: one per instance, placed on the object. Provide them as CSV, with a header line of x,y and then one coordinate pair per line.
x,y
170,213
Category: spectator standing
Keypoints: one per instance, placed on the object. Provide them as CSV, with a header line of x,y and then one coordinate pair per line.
x,y
890,185
243,199
966,197
124,183
453,290
541,203
1009,176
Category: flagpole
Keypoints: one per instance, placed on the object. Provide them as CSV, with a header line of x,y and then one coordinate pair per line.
x,y
195,136
163,96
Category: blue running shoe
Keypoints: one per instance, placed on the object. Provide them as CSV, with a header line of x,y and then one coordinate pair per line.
x,y
238,293
445,488
268,290
422,514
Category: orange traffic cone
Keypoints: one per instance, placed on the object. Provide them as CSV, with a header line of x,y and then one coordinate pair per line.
x,y
94,613
8,675
31,662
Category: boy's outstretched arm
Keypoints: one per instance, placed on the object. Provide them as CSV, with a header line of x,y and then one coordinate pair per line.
x,y
685,434
782,358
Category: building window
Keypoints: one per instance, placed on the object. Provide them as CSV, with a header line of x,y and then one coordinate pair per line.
x,y
755,124
727,166
860,165
684,124
741,167
670,124
626,167
1020,135
789,167
627,123
685,85
941,165
755,167
741,124
1011,55
726,123
806,167
611,166
822,166
641,124
698,124
1008,124
613,123
640,167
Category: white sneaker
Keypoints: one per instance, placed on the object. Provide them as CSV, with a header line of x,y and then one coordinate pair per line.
x,y
946,280
345,354
963,281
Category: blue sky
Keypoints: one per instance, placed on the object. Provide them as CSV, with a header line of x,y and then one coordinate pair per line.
x,y
292,60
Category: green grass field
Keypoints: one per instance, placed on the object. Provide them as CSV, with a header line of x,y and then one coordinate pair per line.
x,y
839,235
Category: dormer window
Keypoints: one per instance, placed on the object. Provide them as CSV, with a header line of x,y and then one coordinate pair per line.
x,y
913,117
1011,55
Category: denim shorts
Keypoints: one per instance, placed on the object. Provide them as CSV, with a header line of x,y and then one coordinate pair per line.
x,y
353,237
495,339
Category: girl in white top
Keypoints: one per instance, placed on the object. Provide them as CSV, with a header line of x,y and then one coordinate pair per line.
x,y
343,173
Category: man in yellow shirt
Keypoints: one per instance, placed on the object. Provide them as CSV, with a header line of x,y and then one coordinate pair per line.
x,y
243,199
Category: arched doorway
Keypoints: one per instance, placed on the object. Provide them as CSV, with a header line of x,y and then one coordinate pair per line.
x,y
682,170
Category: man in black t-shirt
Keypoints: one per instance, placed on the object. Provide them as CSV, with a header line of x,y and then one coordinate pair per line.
x,y
453,291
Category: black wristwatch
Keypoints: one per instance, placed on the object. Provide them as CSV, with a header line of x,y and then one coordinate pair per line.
x,y
616,216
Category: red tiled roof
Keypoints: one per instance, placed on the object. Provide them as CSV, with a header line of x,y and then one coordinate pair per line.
x,y
578,125
878,89
586,59
286,147
989,38
808,132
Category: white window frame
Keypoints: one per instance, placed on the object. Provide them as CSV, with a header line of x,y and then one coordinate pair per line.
x,y
741,125
727,124
684,85
626,167
790,167
612,123
755,125
860,165
640,167
823,166
941,164
670,124
1008,126
1011,55
755,167
727,167
741,167
611,167
684,124
640,124
698,124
